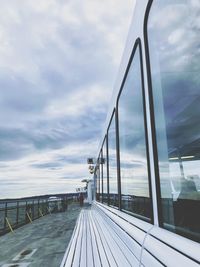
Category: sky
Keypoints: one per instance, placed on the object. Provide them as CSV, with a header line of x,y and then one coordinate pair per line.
x,y
58,64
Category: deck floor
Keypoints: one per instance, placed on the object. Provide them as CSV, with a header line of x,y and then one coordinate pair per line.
x,y
42,243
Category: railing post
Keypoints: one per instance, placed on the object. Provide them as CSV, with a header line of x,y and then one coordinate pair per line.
x,y
46,207
5,215
33,210
66,202
38,208
17,217
25,213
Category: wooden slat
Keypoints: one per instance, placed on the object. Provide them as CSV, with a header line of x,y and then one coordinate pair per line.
x,y
83,256
95,249
101,249
124,242
98,242
149,260
115,244
77,252
105,243
68,258
90,254
137,234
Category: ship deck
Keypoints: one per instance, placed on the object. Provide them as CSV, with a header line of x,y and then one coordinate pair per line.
x,y
41,243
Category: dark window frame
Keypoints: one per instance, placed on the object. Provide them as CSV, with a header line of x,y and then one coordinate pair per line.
x,y
105,147
136,46
152,115
98,179
107,163
101,174
117,161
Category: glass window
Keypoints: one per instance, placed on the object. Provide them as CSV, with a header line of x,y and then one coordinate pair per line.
x,y
135,196
113,188
100,177
97,181
175,66
105,176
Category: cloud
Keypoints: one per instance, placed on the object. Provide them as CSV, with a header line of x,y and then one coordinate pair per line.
x,y
58,62
47,165
93,98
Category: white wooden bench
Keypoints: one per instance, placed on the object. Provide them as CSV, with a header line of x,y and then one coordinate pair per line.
x,y
98,241
105,236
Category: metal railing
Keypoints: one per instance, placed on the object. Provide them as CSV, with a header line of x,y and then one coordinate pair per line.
x,y
18,212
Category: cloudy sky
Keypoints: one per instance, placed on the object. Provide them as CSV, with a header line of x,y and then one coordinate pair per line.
x,y
58,63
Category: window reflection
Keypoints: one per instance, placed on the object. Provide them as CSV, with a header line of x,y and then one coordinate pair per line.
x,y
97,181
113,188
175,66
133,161
105,184
101,177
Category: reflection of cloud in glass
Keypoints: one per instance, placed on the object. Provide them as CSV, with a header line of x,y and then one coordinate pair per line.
x,y
133,163
104,168
177,35
175,66
112,158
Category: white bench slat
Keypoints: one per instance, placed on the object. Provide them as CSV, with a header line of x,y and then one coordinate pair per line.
x,y
105,244
95,249
97,241
102,253
127,245
90,254
116,244
137,234
68,258
149,260
77,252
83,257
